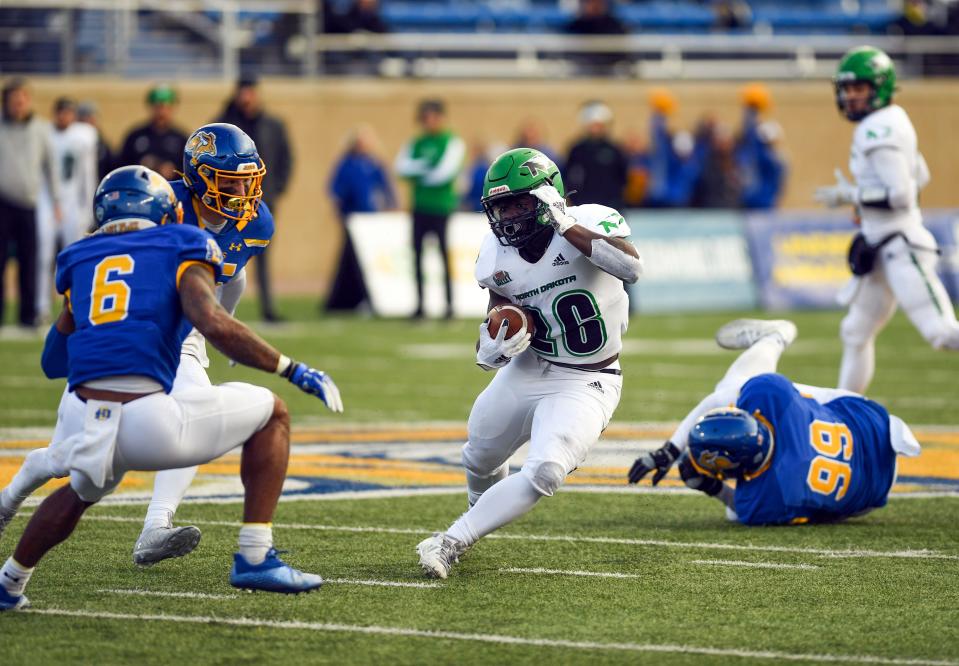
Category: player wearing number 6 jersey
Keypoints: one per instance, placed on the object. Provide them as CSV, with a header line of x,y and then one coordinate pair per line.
x,y
566,265
799,454
129,288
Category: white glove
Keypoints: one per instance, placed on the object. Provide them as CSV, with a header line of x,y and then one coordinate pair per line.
x,y
497,352
558,217
843,192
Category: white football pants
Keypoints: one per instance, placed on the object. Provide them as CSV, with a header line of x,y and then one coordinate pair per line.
x,y
902,276
560,411
171,485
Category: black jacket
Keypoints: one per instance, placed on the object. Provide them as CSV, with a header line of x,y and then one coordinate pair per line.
x,y
269,135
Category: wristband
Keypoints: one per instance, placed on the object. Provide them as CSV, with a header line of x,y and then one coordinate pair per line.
x,y
283,366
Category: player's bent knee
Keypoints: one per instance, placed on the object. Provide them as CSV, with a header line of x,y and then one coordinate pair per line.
x,y
546,477
281,413
855,332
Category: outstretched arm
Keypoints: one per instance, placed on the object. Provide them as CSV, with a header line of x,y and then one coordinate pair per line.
x,y
231,337
238,342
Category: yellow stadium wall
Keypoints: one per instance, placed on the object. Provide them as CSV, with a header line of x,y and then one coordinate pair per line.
x,y
320,115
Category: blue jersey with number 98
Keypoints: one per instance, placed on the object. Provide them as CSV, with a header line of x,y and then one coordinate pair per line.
x,y
122,291
829,461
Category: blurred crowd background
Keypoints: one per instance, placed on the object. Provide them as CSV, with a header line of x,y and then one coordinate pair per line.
x,y
649,105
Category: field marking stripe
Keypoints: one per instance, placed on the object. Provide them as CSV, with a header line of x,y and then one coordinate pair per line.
x,y
495,638
176,595
381,583
826,552
755,565
560,572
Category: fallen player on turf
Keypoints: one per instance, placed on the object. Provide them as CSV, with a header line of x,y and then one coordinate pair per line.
x,y
798,453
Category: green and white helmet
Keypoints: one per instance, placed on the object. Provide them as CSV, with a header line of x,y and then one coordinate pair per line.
x,y
869,64
515,216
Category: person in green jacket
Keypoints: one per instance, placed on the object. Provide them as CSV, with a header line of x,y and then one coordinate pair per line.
x,y
432,162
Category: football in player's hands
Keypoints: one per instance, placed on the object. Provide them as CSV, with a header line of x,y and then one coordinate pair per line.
x,y
516,317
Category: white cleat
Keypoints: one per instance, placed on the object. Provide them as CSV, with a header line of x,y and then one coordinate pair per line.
x,y
439,553
744,333
156,544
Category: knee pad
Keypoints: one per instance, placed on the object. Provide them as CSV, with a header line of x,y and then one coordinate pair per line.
x,y
546,477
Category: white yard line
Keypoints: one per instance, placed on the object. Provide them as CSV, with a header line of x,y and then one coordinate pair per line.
x,y
380,583
560,572
175,595
706,545
755,565
496,638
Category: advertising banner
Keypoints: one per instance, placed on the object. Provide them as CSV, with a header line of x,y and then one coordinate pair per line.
x,y
384,246
693,261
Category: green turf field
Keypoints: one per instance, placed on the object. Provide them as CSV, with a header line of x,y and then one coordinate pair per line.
x,y
689,588
395,371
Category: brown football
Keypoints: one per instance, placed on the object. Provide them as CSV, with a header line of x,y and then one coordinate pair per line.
x,y
514,314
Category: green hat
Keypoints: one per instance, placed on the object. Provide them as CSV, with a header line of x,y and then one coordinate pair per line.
x,y
162,94
512,174
869,64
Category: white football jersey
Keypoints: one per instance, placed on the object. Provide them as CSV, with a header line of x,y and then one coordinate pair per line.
x,y
75,149
581,312
888,127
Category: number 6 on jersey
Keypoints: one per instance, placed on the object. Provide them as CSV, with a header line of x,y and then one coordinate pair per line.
x,y
110,296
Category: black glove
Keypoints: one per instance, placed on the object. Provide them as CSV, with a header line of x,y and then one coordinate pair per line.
x,y
661,460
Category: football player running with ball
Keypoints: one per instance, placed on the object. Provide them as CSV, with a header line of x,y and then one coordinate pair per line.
x,y
894,256
557,386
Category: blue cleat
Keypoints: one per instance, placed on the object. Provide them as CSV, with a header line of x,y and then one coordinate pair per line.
x,y
271,575
9,602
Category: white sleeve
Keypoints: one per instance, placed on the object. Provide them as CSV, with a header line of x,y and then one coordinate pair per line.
x,y
607,257
230,292
449,165
719,398
823,395
922,172
900,185
405,165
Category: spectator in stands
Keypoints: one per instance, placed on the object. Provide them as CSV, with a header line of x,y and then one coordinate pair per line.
x,y
432,162
87,113
662,159
761,167
595,18
158,143
596,166
359,16
731,14
26,160
718,185
245,110
637,171
359,184
482,153
532,135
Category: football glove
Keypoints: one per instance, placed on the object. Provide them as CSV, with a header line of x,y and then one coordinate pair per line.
x,y
843,192
497,352
660,460
313,381
560,220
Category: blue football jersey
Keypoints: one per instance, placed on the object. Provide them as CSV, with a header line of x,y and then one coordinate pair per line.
x,y
829,461
122,290
241,243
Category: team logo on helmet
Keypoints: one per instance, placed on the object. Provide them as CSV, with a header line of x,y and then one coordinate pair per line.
x,y
201,143
714,462
535,165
